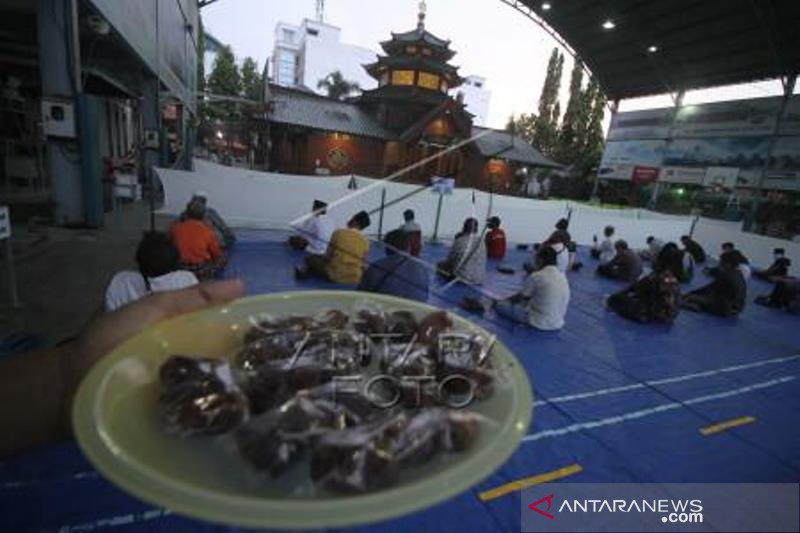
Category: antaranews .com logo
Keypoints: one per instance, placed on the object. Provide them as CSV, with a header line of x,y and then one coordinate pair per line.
x,y
661,507
670,511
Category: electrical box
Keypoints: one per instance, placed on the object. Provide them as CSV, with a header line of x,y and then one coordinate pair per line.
x,y
58,118
151,139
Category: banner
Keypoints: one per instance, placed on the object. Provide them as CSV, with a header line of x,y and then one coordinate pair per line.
x,y
726,177
784,164
620,157
646,124
642,175
686,160
740,118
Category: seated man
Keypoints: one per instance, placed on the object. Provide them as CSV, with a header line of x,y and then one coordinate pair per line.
x,y
653,248
561,234
197,244
397,274
654,298
495,239
626,265
158,261
544,298
314,233
343,262
224,234
677,261
742,263
694,248
785,295
604,251
778,269
414,232
725,296
467,257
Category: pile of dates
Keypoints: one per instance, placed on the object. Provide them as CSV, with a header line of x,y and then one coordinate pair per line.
x,y
356,398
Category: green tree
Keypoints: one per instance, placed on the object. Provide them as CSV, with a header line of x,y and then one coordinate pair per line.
x,y
573,124
225,80
594,139
546,129
336,86
252,83
523,127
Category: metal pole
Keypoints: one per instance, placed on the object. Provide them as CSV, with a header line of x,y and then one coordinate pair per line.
x,y
788,89
380,217
435,237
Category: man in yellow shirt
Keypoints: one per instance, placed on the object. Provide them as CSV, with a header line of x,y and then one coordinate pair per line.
x,y
344,260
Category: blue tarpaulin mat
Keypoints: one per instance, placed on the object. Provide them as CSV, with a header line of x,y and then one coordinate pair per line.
x,y
624,402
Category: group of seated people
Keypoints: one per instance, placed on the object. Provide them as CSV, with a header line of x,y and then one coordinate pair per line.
x,y
656,297
192,251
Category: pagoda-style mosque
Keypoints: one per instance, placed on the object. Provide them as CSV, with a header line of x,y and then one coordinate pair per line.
x,y
409,117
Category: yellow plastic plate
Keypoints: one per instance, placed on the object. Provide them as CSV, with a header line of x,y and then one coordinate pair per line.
x,y
116,425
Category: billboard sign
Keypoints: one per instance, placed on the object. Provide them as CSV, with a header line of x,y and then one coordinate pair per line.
x,y
728,119
646,124
686,160
725,177
621,157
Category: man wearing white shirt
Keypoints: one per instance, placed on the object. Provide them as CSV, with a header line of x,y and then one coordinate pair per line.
x,y
604,251
542,303
314,234
158,260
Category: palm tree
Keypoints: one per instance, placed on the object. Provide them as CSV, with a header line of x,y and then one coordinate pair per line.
x,y
337,86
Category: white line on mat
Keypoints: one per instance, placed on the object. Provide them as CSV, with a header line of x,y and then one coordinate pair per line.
x,y
634,415
663,381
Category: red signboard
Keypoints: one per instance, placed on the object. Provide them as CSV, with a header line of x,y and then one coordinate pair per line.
x,y
642,175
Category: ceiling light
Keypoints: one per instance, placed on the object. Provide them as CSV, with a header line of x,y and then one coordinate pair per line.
x,y
609,24
546,6
652,49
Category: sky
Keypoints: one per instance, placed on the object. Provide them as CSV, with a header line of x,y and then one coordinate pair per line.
x,y
491,39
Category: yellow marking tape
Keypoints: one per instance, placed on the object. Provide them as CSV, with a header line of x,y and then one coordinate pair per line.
x,y
526,482
728,424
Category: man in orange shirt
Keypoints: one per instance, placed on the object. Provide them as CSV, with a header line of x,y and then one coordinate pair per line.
x,y
197,244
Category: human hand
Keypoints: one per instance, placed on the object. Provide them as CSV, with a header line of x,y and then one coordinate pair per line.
x,y
111,329
36,389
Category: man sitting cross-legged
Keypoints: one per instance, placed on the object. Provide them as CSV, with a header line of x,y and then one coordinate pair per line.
x,y
654,298
343,261
542,303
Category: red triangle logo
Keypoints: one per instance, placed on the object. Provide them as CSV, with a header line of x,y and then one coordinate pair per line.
x,y
535,506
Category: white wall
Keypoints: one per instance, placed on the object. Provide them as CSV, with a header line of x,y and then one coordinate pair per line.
x,y
266,200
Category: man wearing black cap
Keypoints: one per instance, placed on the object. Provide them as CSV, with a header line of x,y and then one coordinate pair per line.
x,y
315,232
778,269
344,260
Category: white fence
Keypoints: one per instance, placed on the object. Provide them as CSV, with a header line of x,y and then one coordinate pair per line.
x,y
267,200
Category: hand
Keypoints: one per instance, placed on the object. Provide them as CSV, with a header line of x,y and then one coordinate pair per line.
x,y
36,389
113,328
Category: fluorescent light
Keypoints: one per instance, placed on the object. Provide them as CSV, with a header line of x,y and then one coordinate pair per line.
x,y
546,6
609,24
652,49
